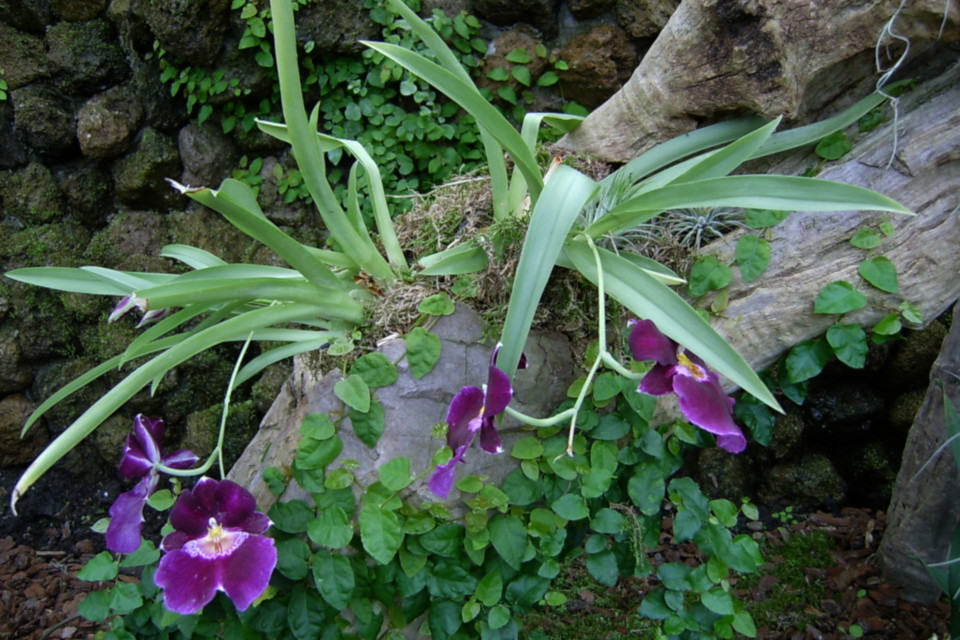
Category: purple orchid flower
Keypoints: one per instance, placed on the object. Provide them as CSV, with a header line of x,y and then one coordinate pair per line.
x,y
702,399
141,454
131,302
215,546
474,410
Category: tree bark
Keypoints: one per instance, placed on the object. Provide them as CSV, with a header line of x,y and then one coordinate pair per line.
x,y
768,316
769,57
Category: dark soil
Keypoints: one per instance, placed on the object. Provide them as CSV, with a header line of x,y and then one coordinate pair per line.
x,y
42,550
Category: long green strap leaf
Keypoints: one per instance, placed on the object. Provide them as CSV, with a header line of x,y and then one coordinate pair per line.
x,y
782,193
650,299
554,214
232,329
468,97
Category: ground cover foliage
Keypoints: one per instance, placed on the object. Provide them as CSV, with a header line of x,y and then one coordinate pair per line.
x,y
593,480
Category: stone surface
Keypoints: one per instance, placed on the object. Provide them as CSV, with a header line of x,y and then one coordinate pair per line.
x,y
18,57
643,19
78,10
207,154
599,62
107,123
31,195
336,25
540,14
14,411
588,9
924,510
140,177
86,56
191,31
411,408
44,120
810,480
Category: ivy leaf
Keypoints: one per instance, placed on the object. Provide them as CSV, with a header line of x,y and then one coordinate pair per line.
x,y
708,275
753,256
881,273
889,326
834,146
161,500
318,426
100,567
757,416
866,239
423,351
498,74
293,516
375,369
438,304
839,297
571,506
807,359
522,75
380,533
509,538
528,448
718,601
646,488
395,474
293,558
333,575
331,528
305,613
490,589
369,425
849,343
317,454
518,56
764,218
354,392
603,567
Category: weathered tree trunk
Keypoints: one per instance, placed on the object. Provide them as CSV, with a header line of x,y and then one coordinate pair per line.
x,y
924,510
766,317
770,57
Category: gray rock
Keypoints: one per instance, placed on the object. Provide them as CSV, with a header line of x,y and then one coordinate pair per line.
x,y
643,19
811,480
86,55
207,155
336,26
191,31
835,407
44,118
26,15
587,9
15,374
411,408
15,152
107,123
14,450
78,10
140,176
541,14
87,188
599,62
21,57
31,195
924,511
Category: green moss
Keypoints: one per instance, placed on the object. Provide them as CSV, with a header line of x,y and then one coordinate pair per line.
x,y
783,606
203,428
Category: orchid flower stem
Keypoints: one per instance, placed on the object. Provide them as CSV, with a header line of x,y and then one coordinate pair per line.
x,y
539,422
612,363
601,345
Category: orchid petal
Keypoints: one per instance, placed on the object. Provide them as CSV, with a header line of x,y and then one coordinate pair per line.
x,y
192,512
499,392
442,479
464,408
658,381
489,436
125,306
235,503
648,343
189,582
134,462
126,516
180,459
246,572
705,405
149,433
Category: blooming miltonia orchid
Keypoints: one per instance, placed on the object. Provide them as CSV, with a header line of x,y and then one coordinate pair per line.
x,y
474,410
215,546
702,398
141,454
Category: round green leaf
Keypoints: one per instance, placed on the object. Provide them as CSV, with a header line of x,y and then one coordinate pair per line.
x,y
833,146
331,528
293,558
509,538
839,297
708,275
866,239
849,343
490,589
889,326
752,256
423,351
528,448
318,425
881,273
438,304
380,533
333,575
603,567
764,218
571,506
369,425
807,359
354,392
100,567
375,369
607,521
395,474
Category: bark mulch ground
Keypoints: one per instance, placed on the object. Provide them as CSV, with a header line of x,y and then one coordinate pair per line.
x,y
39,592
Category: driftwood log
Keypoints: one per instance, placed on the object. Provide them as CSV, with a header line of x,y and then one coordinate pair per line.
x,y
769,57
766,317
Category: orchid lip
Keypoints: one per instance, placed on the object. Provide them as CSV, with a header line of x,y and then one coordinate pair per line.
x,y
218,542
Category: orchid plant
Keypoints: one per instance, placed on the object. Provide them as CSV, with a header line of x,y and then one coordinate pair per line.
x,y
574,222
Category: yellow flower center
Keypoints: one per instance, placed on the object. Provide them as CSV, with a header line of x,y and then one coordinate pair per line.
x,y
691,367
217,543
